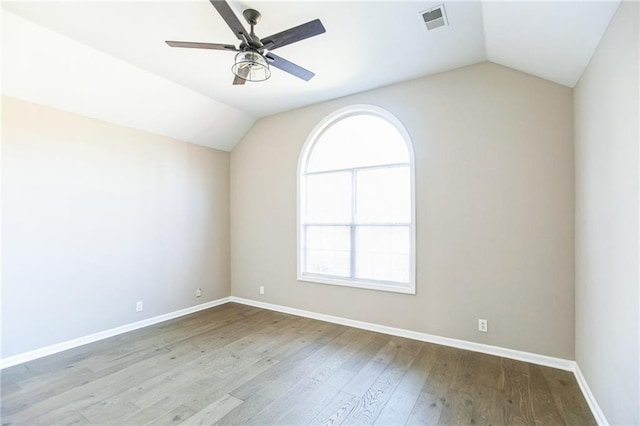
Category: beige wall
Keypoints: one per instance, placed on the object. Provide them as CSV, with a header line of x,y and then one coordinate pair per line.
x,y
494,192
607,311
97,216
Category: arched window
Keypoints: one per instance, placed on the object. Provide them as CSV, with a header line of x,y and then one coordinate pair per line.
x,y
356,203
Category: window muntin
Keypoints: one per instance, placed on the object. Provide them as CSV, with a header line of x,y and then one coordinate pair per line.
x,y
356,205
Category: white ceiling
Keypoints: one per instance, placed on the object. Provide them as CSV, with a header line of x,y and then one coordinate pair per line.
x,y
108,59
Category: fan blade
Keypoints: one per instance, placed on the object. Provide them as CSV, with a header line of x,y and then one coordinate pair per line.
x,y
230,18
237,80
196,45
289,67
294,34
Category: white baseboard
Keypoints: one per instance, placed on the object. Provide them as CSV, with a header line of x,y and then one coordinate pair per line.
x,y
562,364
591,400
69,344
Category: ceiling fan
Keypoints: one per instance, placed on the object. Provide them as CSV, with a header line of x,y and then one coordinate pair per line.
x,y
254,54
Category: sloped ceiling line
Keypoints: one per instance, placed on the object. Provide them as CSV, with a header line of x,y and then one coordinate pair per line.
x,y
108,60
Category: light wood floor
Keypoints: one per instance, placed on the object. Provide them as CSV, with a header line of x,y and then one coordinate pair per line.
x,y
235,364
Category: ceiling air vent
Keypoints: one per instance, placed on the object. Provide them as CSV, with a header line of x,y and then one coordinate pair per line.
x,y
435,17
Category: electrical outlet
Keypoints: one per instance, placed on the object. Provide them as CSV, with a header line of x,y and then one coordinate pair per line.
x,y
261,289
199,292
483,325
139,306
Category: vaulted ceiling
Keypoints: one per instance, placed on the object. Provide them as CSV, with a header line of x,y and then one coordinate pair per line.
x,y
108,59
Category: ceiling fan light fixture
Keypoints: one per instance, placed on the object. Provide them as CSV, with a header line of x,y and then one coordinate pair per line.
x,y
251,66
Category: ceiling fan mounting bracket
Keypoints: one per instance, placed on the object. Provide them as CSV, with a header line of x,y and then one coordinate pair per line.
x,y
252,16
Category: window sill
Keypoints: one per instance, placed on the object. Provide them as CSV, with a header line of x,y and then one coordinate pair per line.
x,y
391,287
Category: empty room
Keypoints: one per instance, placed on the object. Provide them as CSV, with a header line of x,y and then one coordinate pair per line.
x,y
320,212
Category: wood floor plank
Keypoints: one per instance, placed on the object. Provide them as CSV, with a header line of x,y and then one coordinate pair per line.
x,y
473,391
516,399
245,414
217,363
149,413
204,387
173,417
370,372
297,362
341,350
486,409
153,364
9,389
129,342
488,371
100,389
336,410
213,412
305,378
372,402
33,391
466,371
75,419
254,372
545,410
311,393
426,411
202,393
235,364
11,375
363,356
567,396
200,330
107,411
401,403
303,412
291,371
458,408
296,370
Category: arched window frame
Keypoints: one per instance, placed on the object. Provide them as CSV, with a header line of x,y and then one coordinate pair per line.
x,y
312,139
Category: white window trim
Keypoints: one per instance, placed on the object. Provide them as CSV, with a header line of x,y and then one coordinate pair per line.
x,y
410,287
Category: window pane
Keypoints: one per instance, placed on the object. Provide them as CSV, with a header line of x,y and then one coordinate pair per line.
x,y
357,141
383,253
329,198
328,250
383,195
